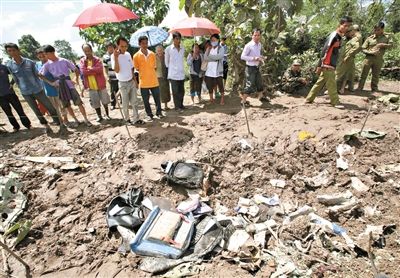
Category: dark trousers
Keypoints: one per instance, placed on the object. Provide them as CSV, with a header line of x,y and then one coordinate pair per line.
x,y
113,91
42,98
12,100
145,92
178,92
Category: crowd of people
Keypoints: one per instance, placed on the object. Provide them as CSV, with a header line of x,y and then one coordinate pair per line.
x,y
47,86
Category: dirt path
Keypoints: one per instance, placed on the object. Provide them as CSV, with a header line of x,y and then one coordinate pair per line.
x,y
64,207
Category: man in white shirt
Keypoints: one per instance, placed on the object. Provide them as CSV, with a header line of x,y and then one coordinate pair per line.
x,y
215,68
252,55
122,64
174,56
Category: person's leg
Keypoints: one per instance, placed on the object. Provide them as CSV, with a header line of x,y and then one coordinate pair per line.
x,y
113,90
94,100
331,86
145,92
364,74
124,90
376,71
181,88
197,87
220,84
14,101
31,101
78,102
210,87
351,76
259,85
316,88
175,88
5,105
250,81
105,100
55,102
134,101
156,96
43,99
192,85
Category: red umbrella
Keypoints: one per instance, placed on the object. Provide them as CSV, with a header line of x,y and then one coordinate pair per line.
x,y
195,26
102,13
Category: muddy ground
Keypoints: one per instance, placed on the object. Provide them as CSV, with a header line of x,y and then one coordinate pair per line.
x,y
67,206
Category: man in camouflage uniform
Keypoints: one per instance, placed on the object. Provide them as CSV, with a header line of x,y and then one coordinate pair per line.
x,y
346,59
374,48
292,80
352,74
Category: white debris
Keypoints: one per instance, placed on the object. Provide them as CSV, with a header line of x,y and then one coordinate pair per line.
x,y
358,185
278,183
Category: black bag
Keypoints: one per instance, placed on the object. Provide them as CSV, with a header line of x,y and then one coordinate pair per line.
x,y
183,173
125,210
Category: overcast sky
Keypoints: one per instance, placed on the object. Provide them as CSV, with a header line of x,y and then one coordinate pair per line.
x,y
48,21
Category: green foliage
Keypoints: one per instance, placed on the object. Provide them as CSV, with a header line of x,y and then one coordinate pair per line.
x,y
392,56
28,46
64,49
150,13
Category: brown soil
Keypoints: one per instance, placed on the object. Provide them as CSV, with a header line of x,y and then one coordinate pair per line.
x,y
64,207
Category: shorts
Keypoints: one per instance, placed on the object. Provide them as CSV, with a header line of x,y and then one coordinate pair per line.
x,y
76,99
254,82
98,97
212,82
226,68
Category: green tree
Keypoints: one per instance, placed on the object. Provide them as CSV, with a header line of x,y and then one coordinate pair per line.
x,y
28,46
149,12
64,49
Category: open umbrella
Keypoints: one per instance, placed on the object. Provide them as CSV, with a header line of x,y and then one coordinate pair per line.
x,y
102,13
195,26
156,35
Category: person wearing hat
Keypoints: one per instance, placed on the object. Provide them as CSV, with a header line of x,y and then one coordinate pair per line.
x,y
292,80
374,48
346,59
352,74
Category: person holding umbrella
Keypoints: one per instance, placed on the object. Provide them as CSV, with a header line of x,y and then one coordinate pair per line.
x,y
174,55
144,62
194,60
162,75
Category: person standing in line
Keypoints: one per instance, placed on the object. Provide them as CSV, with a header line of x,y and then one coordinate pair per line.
x,y
26,76
144,62
121,62
346,59
61,68
327,64
9,99
174,55
194,60
162,76
226,65
214,55
112,78
252,55
51,91
374,49
352,74
94,80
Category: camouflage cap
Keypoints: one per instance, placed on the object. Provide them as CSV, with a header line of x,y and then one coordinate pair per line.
x,y
297,62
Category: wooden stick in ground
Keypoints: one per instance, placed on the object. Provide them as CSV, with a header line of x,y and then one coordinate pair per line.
x,y
120,110
247,121
366,118
27,268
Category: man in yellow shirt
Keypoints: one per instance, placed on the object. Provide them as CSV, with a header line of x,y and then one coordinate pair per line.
x,y
144,62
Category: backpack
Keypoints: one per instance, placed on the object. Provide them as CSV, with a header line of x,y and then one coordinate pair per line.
x,y
189,175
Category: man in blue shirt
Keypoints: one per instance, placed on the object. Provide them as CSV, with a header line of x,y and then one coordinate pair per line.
x,y
25,75
8,98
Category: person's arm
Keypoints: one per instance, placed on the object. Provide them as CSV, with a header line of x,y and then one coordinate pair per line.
x,y
216,57
355,46
134,79
97,67
115,61
387,45
166,57
189,59
366,48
